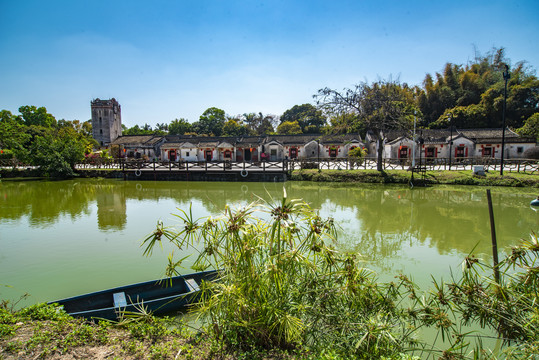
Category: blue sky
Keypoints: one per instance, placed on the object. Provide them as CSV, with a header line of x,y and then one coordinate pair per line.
x,y
167,59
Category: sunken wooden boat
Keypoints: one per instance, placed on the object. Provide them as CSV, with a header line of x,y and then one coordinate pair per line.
x,y
156,296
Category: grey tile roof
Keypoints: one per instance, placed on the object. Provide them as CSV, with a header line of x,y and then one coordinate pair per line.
x,y
138,140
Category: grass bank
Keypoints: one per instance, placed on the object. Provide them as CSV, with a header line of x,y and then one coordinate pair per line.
x,y
430,178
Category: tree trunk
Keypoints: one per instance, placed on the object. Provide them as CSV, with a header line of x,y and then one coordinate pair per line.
x,y
379,165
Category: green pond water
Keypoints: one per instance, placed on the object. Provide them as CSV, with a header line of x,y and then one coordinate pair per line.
x,y
64,238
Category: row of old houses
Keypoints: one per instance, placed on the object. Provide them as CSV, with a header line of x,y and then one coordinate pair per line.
x,y
401,145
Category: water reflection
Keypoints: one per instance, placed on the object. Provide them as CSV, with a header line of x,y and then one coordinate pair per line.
x,y
376,220
52,234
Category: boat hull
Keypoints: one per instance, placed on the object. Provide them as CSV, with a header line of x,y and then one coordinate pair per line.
x,y
156,296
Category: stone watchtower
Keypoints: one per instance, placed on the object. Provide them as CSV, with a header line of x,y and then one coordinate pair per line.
x,y
106,120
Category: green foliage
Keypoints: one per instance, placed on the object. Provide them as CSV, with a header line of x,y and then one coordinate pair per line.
x,y
42,312
37,139
6,154
211,122
37,116
473,94
530,127
179,127
57,156
357,153
381,106
149,327
472,116
234,127
289,128
345,123
144,130
508,307
284,285
356,156
309,118
260,124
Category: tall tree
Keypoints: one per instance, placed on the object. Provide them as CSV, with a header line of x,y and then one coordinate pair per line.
x,y
310,119
260,124
235,127
289,128
179,127
530,127
37,116
13,135
381,106
211,122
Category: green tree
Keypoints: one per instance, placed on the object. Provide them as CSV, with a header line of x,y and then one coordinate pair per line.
x,y
531,127
13,135
234,127
260,124
179,127
474,93
137,130
211,122
57,152
310,119
37,116
289,128
267,125
346,123
471,116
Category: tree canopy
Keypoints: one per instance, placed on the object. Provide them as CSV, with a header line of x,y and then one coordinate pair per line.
x,y
308,117
472,95
381,106
36,138
211,122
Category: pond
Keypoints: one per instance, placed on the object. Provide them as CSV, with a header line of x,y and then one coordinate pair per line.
x,y
63,238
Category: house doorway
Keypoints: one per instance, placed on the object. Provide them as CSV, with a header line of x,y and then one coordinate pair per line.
x,y
247,154
209,155
488,152
293,153
172,155
332,152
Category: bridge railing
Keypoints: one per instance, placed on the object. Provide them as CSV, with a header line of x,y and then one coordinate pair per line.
x,y
489,164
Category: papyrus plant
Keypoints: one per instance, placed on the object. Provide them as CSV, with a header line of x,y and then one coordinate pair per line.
x,y
284,284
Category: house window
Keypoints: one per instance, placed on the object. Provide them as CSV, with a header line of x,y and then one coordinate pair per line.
x,y
520,149
429,152
403,152
487,152
187,153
